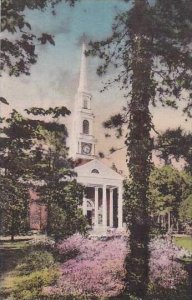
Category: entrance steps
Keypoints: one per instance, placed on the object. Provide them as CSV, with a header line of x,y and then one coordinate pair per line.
x,y
107,232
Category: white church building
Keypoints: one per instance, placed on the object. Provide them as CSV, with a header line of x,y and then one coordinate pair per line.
x,y
102,202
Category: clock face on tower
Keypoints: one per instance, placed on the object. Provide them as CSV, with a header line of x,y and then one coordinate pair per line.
x,y
86,148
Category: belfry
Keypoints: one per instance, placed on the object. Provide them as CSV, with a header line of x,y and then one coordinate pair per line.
x,y
102,202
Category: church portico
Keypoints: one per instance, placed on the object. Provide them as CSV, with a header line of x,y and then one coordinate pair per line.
x,y
98,206
102,202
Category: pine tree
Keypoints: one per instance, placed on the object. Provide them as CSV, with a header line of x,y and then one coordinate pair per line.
x,y
177,144
150,48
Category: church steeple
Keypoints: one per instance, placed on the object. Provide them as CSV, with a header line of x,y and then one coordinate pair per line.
x,y
83,140
83,71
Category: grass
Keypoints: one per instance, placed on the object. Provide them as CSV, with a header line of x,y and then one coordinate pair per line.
x,y
184,241
20,279
11,253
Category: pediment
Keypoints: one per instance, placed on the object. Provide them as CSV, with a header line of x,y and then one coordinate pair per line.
x,y
97,169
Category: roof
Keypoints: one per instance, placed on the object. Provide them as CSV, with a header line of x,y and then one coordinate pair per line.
x,y
95,172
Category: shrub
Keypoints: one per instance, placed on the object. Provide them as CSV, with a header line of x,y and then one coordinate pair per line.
x,y
29,287
42,242
35,261
165,271
34,272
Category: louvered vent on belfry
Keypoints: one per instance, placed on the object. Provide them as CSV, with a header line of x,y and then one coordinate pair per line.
x,y
86,127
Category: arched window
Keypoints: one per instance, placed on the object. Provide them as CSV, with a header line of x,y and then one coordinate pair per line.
x,y
85,127
95,171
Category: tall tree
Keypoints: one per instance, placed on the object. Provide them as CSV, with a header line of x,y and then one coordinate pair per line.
x,y
185,214
150,47
52,168
33,152
13,207
15,142
168,189
59,189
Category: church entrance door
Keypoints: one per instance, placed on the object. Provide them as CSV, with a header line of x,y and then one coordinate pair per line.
x,y
90,212
89,217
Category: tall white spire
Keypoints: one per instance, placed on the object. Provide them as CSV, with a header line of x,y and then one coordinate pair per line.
x,y
83,71
83,141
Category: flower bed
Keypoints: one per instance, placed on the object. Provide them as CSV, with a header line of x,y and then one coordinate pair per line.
x,y
165,270
96,268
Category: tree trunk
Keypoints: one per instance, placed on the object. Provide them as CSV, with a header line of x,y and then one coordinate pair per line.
x,y
12,227
48,229
139,148
169,221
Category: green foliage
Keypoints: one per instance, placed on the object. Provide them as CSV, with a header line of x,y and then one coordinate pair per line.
x,y
175,143
115,122
185,211
13,207
60,190
54,111
15,142
29,287
36,270
169,193
34,151
184,242
167,189
65,220
35,261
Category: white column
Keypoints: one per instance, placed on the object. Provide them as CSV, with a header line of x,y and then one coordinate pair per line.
x,y
84,206
96,205
104,219
120,208
111,208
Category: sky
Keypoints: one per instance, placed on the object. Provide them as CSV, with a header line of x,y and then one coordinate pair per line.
x,y
54,78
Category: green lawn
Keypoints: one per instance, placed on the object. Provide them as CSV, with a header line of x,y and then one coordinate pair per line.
x,y
16,285
185,242
10,254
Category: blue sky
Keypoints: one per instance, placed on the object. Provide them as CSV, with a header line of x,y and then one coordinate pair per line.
x,y
54,79
90,17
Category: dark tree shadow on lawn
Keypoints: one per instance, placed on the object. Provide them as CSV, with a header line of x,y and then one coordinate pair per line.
x,y
11,253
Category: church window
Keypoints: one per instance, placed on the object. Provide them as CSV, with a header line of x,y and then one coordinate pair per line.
x,y
85,104
89,203
95,171
85,127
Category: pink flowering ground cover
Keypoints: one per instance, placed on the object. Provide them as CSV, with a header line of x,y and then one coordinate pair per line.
x,y
165,270
97,268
